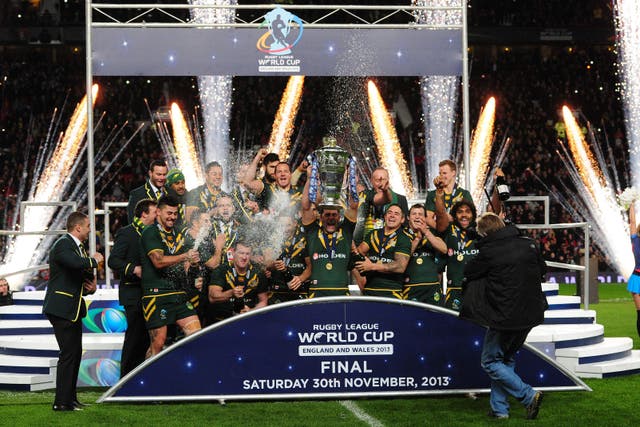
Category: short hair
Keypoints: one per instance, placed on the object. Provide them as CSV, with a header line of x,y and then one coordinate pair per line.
x,y
449,163
379,168
195,215
242,240
143,207
390,205
489,223
212,165
168,201
75,218
270,158
418,206
158,162
222,196
464,202
284,163
323,208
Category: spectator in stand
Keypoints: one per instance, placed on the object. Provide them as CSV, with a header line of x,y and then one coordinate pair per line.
x,y
5,293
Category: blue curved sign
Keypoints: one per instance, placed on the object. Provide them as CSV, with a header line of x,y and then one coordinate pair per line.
x,y
330,347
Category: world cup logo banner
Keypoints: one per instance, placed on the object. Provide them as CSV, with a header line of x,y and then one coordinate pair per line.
x,y
284,32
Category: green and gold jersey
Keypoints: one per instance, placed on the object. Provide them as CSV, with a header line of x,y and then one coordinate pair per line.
x,y
456,195
203,198
423,265
227,277
329,255
155,281
382,249
370,216
279,200
460,249
294,252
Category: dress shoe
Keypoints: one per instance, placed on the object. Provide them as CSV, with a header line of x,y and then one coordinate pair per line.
x,y
61,407
78,404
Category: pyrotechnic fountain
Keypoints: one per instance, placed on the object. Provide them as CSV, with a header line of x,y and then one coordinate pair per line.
x,y
389,151
597,198
439,94
215,91
480,152
188,160
628,43
51,184
280,141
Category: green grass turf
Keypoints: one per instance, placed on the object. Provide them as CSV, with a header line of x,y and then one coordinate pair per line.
x,y
611,402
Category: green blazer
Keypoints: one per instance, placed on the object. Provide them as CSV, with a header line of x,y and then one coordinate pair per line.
x,y
123,258
67,272
143,192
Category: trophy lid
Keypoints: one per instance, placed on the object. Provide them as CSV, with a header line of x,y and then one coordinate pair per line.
x,y
329,141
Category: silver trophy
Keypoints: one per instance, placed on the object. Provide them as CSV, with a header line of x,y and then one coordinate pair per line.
x,y
332,164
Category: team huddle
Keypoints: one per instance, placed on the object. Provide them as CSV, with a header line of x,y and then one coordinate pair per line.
x,y
192,258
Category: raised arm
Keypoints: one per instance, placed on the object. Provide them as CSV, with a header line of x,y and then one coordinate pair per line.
x,y
442,217
633,226
248,179
308,214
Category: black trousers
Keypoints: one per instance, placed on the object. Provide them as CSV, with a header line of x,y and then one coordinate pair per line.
x,y
136,339
69,337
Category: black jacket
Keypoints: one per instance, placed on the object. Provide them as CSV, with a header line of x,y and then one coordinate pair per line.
x,y
502,286
123,259
143,192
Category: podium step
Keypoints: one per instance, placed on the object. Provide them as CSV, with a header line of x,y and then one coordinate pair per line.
x,y
563,336
25,327
27,382
563,302
569,316
26,365
550,289
609,349
625,366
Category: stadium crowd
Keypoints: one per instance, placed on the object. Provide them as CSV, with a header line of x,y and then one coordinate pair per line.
x,y
530,83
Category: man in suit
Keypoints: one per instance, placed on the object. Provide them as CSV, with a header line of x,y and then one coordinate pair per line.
x,y
152,189
125,260
71,276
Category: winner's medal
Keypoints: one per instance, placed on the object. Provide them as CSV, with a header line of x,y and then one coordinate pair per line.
x,y
419,261
460,257
330,247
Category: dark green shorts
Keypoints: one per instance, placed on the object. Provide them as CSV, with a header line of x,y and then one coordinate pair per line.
x,y
385,293
166,309
426,293
330,292
453,299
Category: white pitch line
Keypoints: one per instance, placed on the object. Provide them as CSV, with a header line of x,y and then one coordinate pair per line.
x,y
360,414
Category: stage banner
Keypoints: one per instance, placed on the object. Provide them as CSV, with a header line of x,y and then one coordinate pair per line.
x,y
339,346
247,52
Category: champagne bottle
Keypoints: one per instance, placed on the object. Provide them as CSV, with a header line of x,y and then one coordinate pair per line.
x,y
503,188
